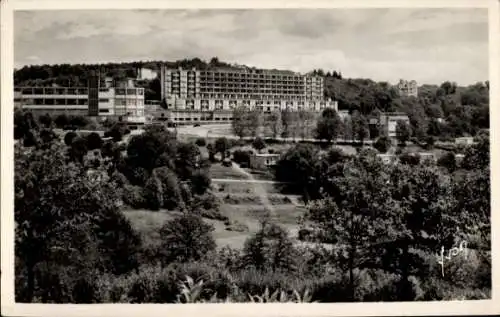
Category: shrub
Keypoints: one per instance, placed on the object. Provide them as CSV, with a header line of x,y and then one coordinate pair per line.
x,y
206,201
201,142
144,286
332,288
214,214
305,234
133,196
241,157
86,291
116,133
237,226
94,141
258,144
382,144
227,258
253,281
448,161
47,136
78,121
45,120
216,282
78,149
61,121
200,182
429,142
68,138
409,159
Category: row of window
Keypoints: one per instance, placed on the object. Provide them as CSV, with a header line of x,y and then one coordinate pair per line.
x,y
55,101
74,91
204,119
240,94
243,83
254,97
77,101
129,102
129,91
219,103
177,74
52,91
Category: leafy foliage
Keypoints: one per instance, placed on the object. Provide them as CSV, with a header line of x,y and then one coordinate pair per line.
x,y
270,248
67,219
259,144
382,144
94,141
186,238
329,125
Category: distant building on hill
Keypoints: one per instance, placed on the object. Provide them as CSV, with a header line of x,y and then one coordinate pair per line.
x,y
407,88
386,123
146,74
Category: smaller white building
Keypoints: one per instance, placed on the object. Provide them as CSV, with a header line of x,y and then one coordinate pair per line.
x,y
424,156
387,158
146,74
467,140
263,160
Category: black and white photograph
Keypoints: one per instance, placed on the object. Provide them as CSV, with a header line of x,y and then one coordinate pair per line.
x,y
250,155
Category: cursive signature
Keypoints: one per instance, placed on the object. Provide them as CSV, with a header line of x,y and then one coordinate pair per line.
x,y
462,248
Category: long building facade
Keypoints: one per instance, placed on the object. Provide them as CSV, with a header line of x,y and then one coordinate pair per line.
x,y
96,100
227,89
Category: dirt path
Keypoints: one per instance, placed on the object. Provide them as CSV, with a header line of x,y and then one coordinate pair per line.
x,y
258,189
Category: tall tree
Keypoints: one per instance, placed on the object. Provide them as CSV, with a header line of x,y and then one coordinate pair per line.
x,y
276,123
186,238
240,123
359,127
329,125
68,220
402,132
296,167
221,146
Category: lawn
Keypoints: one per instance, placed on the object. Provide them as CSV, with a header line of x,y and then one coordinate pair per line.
x,y
148,223
222,187
217,170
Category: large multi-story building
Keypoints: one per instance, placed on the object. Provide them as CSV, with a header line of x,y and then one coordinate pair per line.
x,y
407,88
227,88
96,100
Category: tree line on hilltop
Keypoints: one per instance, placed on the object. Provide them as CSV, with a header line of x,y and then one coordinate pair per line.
x,y
464,109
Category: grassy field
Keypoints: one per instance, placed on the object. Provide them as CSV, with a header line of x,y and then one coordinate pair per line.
x,y
220,171
242,203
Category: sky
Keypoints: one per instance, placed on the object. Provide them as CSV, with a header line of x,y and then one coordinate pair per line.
x,y
427,45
